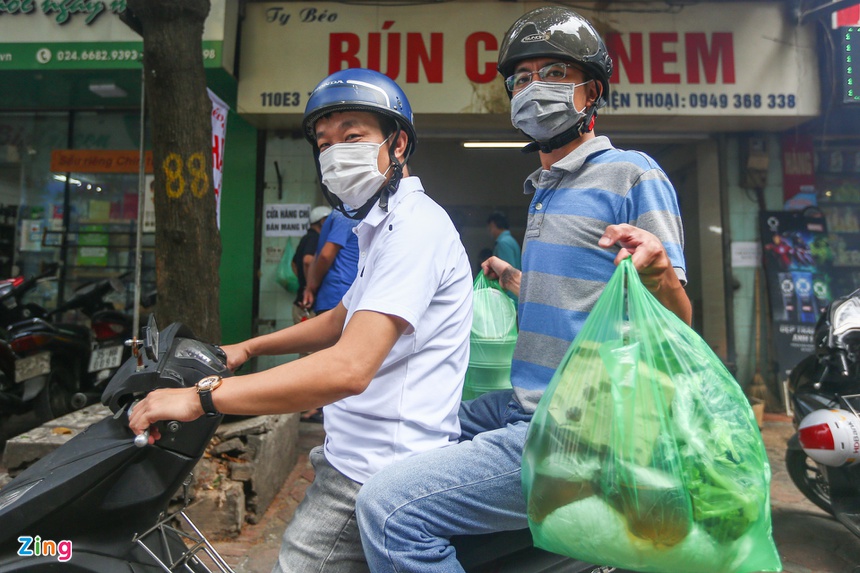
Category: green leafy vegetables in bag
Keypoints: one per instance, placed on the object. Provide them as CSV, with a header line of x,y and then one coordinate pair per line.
x,y
643,452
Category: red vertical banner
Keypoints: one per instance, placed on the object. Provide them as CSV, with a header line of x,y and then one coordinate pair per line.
x,y
798,166
219,133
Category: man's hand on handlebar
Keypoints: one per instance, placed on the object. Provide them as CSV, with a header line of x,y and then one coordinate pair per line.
x,y
180,404
237,355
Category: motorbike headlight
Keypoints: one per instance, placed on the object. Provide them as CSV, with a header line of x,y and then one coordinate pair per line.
x,y
196,351
846,317
13,495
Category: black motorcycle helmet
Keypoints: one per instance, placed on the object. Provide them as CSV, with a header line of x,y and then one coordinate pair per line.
x,y
558,32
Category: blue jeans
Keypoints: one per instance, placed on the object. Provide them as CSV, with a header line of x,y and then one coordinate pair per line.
x,y
323,536
408,511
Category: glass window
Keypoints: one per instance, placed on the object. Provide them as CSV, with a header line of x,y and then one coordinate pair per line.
x,y
74,199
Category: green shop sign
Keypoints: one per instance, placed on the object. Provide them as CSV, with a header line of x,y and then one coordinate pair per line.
x,y
86,55
64,10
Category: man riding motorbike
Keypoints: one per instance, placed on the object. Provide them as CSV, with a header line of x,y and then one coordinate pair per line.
x,y
389,360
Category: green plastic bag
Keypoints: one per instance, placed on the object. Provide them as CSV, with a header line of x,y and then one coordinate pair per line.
x,y
492,339
644,453
284,275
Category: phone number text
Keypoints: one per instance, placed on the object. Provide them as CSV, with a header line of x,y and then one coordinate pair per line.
x,y
111,55
620,100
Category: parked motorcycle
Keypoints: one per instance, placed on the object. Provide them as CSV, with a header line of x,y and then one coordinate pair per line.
x,y
13,308
100,501
62,366
111,328
50,368
822,457
7,377
47,374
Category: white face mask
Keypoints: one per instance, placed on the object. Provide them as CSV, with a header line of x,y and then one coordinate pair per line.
x,y
545,109
350,171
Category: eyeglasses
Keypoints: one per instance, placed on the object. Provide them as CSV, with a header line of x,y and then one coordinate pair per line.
x,y
556,72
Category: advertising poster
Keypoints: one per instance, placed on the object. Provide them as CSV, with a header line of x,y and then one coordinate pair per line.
x,y
798,263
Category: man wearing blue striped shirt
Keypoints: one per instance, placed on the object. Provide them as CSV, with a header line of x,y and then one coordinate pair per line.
x,y
592,205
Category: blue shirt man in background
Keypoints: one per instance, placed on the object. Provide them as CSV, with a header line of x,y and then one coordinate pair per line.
x,y
506,248
335,265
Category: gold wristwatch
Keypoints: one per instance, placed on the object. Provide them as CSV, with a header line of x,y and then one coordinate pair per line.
x,y
205,387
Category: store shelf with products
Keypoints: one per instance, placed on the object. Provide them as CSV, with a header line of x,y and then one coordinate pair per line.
x,y
100,249
837,182
8,214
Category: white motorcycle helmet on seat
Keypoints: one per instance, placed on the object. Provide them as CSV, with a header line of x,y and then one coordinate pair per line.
x,y
831,437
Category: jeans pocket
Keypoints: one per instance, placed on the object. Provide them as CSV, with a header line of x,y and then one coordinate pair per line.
x,y
316,456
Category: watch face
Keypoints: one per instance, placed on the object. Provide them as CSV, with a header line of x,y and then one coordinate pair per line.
x,y
207,383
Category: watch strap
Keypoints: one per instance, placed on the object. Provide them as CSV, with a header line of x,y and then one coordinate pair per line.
x,y
204,389
207,403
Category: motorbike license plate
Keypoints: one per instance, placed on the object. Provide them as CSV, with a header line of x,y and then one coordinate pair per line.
x,y
32,366
103,358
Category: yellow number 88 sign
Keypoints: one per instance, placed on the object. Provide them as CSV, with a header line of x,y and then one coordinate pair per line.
x,y
175,171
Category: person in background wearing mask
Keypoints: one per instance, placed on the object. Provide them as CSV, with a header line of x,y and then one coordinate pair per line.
x,y
592,206
305,252
390,359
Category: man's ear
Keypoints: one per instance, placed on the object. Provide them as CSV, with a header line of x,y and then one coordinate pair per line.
x,y
595,90
400,145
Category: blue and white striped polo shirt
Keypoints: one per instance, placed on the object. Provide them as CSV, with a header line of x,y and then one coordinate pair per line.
x,y
564,270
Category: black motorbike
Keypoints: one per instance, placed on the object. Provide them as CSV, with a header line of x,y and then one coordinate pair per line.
x,y
100,501
111,328
8,403
63,365
13,291
49,371
827,383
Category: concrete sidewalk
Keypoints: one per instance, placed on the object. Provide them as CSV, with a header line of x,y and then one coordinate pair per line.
x,y
809,540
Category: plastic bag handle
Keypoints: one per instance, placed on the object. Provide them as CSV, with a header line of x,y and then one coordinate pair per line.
x,y
482,282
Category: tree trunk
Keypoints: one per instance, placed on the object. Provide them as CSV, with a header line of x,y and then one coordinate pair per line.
x,y
187,242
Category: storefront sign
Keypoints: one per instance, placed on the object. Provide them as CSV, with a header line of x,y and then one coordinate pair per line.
x,y
287,220
62,11
699,61
88,34
98,161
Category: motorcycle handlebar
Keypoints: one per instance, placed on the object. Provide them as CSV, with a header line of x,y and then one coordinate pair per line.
x,y
141,440
29,283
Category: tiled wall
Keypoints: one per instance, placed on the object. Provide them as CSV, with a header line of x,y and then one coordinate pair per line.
x,y
744,214
295,161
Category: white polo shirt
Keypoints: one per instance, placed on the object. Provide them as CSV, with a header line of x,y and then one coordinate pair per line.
x,y
411,265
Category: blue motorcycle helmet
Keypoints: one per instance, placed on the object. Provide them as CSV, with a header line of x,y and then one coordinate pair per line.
x,y
359,89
